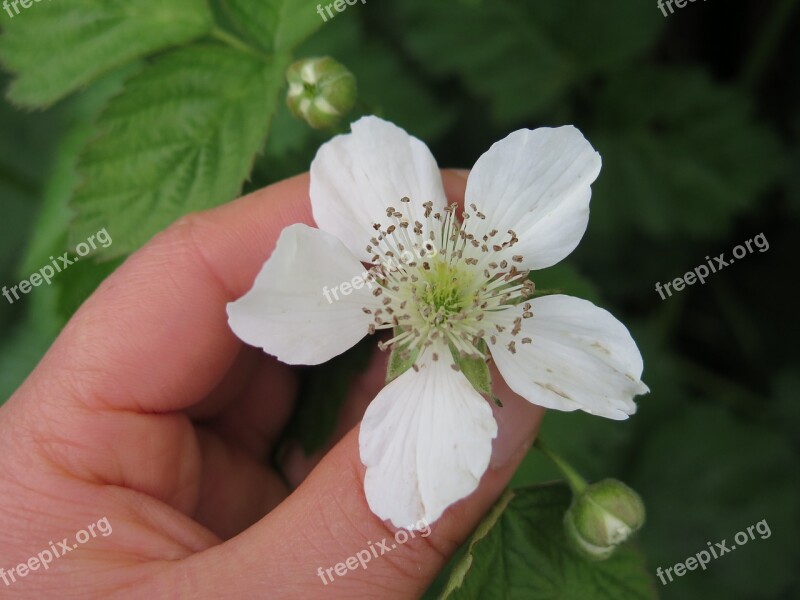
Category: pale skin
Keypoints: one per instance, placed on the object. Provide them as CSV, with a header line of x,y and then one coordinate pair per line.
x,y
148,411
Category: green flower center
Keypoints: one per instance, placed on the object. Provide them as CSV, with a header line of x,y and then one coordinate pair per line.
x,y
444,292
439,284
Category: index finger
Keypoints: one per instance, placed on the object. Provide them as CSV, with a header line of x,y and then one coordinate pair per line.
x,y
154,337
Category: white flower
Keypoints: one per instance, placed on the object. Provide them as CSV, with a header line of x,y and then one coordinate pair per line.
x,y
426,439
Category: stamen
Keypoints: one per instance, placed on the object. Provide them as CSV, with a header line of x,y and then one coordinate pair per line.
x,y
439,283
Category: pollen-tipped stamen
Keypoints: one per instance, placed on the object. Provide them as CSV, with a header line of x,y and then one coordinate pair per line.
x,y
434,287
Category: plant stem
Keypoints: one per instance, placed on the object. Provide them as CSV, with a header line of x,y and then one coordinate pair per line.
x,y
767,42
575,481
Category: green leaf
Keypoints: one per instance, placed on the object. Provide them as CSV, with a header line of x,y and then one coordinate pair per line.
x,y
276,26
49,236
21,351
181,138
520,551
42,320
705,476
683,163
57,47
520,55
27,146
323,390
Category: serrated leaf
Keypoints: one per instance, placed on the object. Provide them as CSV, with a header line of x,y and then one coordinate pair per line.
x,y
522,55
181,138
55,48
276,26
520,552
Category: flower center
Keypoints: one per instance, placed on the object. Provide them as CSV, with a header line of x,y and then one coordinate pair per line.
x,y
444,291
441,284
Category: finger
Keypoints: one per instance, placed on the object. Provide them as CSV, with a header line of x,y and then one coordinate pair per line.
x,y
158,324
295,464
293,551
154,337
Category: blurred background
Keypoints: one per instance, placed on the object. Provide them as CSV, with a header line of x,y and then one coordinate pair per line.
x,y
697,118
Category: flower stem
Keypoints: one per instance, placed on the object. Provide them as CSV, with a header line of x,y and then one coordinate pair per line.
x,y
575,481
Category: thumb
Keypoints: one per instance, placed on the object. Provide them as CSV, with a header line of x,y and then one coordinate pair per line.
x,y
324,541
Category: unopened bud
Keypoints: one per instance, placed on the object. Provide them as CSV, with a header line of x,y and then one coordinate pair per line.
x,y
602,516
321,91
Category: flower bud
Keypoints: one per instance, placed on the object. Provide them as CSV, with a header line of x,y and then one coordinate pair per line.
x,y
321,90
602,516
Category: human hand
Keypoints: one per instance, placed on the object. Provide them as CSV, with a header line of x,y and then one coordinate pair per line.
x,y
149,421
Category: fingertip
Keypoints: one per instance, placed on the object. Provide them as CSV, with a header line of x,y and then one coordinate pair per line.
x,y
455,184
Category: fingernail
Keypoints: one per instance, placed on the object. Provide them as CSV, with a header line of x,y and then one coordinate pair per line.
x,y
460,173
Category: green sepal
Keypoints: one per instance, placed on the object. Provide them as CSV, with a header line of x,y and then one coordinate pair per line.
x,y
476,370
397,363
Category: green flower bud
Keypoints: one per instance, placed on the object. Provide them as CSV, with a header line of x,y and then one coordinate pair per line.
x,y
321,91
602,516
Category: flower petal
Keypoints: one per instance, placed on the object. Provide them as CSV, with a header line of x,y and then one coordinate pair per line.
x,y
536,183
426,440
580,357
297,309
355,177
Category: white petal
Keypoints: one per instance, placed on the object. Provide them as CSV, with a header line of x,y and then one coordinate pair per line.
x,y
355,177
580,357
426,440
289,314
536,183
